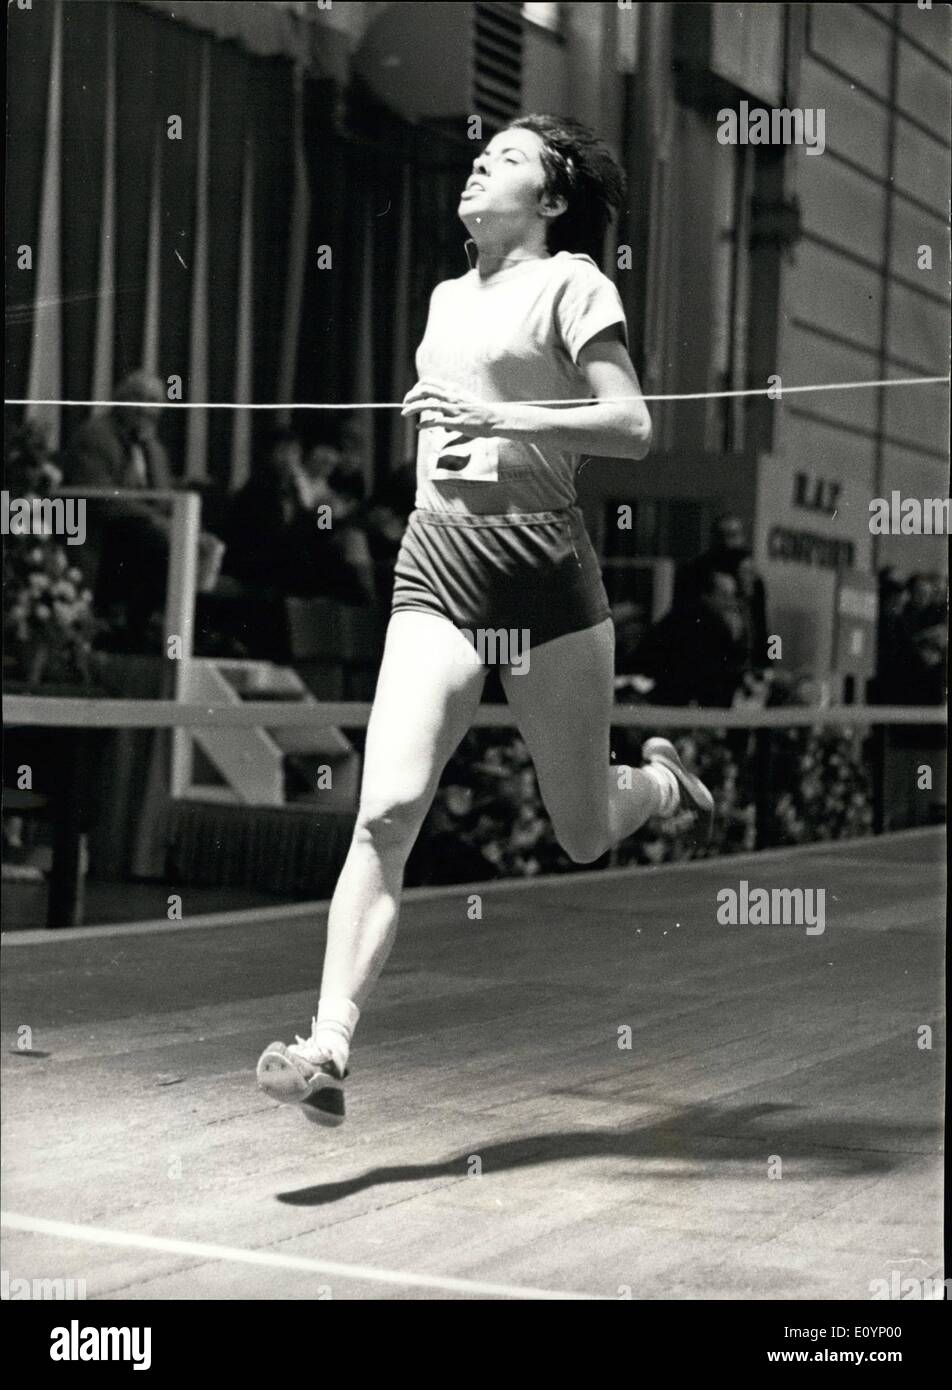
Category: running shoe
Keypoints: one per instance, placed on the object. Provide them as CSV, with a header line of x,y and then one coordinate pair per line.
x,y
305,1074
694,796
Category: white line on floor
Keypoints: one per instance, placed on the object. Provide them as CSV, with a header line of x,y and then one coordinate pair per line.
x,y
96,1235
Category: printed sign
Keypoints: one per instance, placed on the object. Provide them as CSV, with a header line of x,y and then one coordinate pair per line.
x,y
448,455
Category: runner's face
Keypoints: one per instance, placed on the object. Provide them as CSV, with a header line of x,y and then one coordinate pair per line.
x,y
506,182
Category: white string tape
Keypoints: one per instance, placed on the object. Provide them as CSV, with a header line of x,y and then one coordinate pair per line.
x,y
778,392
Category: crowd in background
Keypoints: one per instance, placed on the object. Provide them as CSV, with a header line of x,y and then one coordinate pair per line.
x,y
912,640
304,527
710,649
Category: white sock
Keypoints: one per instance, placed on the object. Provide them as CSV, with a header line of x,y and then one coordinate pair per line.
x,y
336,1021
664,780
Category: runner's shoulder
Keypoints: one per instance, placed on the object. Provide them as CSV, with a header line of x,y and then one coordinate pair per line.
x,y
567,267
578,266
451,284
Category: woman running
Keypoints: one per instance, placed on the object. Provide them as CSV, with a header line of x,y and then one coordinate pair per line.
x,y
496,556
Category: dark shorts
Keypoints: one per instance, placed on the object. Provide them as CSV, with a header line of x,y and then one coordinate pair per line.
x,y
534,573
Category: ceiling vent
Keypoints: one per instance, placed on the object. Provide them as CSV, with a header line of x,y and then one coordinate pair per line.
x,y
497,62
445,62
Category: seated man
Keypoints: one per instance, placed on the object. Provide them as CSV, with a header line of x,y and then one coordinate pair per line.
x,y
698,653
260,527
729,553
121,450
385,520
339,551
293,531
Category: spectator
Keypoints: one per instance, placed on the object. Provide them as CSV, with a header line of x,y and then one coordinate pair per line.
x,y
892,652
386,520
121,450
698,653
912,641
262,530
340,555
924,626
354,435
751,597
311,476
729,553
293,530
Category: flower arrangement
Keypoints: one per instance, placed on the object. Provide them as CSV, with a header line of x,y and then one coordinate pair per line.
x,y
828,794
48,620
798,786
48,615
487,819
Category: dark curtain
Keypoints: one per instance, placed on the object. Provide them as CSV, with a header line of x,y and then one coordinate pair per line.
x,y
29,36
270,111
84,115
231,129
356,152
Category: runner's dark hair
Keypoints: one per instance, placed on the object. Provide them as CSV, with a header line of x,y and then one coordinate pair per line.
x,y
580,168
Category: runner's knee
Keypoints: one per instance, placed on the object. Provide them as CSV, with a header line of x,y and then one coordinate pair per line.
x,y
583,843
391,824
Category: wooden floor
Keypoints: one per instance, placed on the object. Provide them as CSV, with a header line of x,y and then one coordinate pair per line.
x,y
772,1132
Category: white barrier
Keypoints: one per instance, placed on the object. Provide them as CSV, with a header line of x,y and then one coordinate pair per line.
x,y
54,712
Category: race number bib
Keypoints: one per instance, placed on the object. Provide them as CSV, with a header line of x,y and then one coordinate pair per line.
x,y
448,455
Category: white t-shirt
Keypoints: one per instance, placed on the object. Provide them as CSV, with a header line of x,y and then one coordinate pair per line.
x,y
515,337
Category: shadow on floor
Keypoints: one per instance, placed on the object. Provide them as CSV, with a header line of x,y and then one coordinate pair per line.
x,y
708,1134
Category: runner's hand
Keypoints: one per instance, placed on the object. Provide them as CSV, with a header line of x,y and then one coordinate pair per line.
x,y
438,404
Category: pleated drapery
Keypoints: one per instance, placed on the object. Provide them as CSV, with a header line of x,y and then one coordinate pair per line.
x,y
297,251
403,439
244,339
106,306
46,348
198,257
153,279
196,441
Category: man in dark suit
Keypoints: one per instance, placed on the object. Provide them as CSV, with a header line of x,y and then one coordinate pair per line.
x,y
728,553
698,653
121,449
